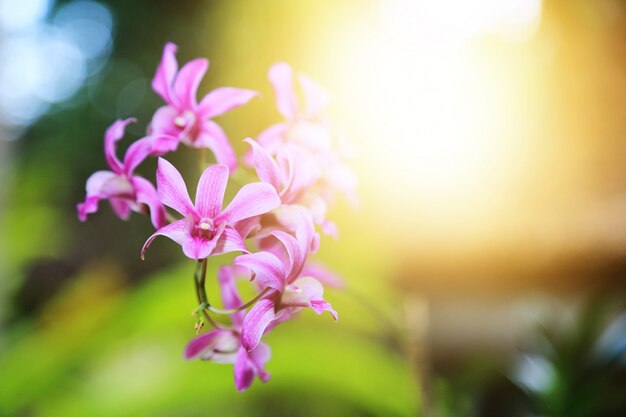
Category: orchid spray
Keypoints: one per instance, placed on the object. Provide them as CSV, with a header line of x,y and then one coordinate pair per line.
x,y
271,221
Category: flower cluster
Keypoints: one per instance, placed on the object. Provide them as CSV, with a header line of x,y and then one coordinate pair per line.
x,y
272,222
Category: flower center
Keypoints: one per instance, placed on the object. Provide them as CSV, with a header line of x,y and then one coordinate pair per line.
x,y
187,124
204,228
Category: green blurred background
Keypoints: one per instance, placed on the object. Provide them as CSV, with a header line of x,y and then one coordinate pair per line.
x,y
484,266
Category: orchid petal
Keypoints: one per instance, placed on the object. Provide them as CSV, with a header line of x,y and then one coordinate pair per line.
x,y
146,194
312,289
259,356
210,191
247,226
89,206
212,136
136,154
172,190
121,207
163,122
196,247
269,270
165,73
200,344
252,200
228,290
177,231
281,77
162,144
315,96
230,241
319,306
255,323
188,80
224,99
96,183
106,185
265,166
244,372
114,133
271,138
296,252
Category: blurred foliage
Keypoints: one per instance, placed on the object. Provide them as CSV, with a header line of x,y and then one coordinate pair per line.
x,y
577,371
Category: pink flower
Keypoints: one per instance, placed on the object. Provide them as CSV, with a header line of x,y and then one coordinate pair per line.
x,y
290,290
207,229
297,179
183,119
224,345
304,123
125,191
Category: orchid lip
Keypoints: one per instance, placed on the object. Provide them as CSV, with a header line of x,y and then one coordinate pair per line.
x,y
205,227
180,121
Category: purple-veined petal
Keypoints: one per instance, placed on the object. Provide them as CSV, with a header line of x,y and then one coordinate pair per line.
x,y
315,96
177,231
212,136
281,77
114,133
246,227
196,247
165,73
200,344
252,200
230,241
172,190
188,80
255,323
146,194
210,191
136,154
224,99
296,252
259,356
243,370
265,166
268,269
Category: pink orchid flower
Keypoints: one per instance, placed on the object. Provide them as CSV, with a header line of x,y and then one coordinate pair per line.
x,y
125,191
207,229
290,291
224,345
296,178
183,118
304,124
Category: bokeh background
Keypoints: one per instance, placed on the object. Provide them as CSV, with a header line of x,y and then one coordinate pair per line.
x,y
485,264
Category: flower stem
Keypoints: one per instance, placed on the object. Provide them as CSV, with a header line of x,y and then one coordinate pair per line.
x,y
241,307
199,279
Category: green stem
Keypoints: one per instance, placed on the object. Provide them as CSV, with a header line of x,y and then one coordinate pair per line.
x,y
241,307
200,278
